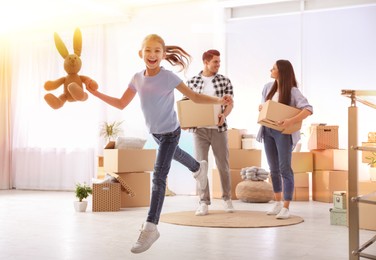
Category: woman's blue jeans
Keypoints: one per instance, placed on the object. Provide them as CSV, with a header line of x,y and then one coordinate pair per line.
x,y
278,149
168,149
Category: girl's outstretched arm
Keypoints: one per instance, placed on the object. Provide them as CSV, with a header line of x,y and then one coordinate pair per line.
x,y
119,103
201,98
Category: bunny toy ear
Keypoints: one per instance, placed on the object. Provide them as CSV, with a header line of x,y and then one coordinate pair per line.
x,y
60,46
77,42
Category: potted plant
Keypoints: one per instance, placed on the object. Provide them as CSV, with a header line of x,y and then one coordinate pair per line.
x,y
82,191
110,131
372,164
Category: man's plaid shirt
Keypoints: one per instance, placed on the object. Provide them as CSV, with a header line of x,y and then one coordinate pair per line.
x,y
222,86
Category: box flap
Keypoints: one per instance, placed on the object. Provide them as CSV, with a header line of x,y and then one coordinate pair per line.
x,y
124,185
110,145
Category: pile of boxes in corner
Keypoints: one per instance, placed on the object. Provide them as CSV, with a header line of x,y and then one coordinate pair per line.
x,y
131,168
330,177
330,170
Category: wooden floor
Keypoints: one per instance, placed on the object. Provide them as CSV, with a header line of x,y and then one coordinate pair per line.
x,y
43,225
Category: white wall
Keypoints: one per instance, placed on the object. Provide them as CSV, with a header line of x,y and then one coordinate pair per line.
x,y
331,50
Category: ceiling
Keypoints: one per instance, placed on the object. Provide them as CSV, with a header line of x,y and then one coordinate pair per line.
x,y
26,15
20,15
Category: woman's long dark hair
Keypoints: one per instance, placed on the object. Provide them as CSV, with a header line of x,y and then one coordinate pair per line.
x,y
286,81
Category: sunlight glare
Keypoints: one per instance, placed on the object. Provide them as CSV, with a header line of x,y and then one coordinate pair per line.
x,y
25,15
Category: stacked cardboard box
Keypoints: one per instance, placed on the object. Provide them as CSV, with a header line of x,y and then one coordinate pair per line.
x,y
100,170
367,212
330,164
302,166
133,166
107,196
238,159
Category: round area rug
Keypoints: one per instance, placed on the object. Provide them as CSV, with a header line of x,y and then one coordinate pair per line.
x,y
221,219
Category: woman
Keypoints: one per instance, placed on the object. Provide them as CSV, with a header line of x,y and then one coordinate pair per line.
x,y
278,146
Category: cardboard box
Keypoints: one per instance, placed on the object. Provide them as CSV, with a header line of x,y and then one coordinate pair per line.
x,y
234,138
249,142
100,161
107,196
301,194
128,160
272,112
367,212
191,114
140,184
323,137
240,158
302,162
301,180
338,217
330,160
339,200
217,186
366,154
324,183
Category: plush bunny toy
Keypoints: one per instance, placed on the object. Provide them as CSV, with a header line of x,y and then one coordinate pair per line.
x,y
73,90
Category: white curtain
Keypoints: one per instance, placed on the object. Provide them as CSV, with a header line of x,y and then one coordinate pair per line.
x,y
5,93
53,149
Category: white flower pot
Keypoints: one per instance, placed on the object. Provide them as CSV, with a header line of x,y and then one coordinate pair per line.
x,y
80,206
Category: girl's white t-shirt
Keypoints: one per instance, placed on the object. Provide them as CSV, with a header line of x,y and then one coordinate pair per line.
x,y
157,99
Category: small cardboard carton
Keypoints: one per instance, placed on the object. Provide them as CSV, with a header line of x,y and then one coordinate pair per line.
x,y
302,162
301,194
128,160
324,183
191,114
234,138
330,159
107,196
301,180
367,211
323,137
240,158
140,183
272,112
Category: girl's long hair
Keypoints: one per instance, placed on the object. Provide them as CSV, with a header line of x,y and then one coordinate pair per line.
x,y
286,80
175,55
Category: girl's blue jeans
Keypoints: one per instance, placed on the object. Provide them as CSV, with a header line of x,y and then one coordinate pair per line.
x,y
168,149
278,149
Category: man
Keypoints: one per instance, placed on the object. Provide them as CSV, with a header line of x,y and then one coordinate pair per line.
x,y
209,82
